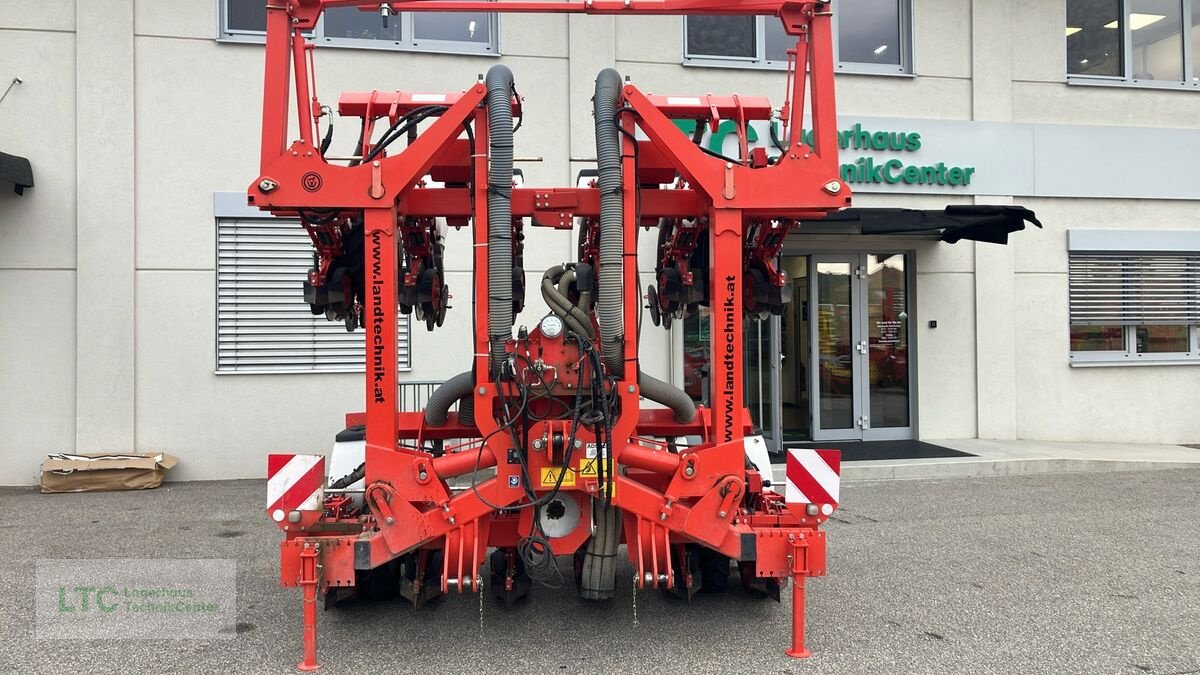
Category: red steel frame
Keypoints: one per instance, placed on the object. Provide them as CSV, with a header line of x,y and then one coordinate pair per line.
x,y
694,495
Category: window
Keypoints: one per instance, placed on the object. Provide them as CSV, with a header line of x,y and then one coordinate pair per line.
x,y
456,32
263,323
1154,42
1133,307
873,36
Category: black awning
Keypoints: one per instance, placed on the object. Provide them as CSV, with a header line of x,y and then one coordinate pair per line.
x,y
16,170
954,223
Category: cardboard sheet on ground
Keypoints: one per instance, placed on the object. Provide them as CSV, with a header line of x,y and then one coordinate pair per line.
x,y
98,472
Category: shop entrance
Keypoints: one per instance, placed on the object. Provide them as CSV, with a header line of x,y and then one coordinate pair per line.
x,y
835,365
844,348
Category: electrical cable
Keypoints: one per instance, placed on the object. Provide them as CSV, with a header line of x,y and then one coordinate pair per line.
x,y
520,108
535,549
775,138
409,121
325,143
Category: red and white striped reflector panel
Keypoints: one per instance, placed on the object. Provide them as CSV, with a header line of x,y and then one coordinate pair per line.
x,y
294,483
813,477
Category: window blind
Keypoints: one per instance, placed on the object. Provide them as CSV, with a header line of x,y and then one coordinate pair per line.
x,y
1126,289
263,323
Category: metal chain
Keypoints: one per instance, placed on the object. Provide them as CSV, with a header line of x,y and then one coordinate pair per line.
x,y
635,585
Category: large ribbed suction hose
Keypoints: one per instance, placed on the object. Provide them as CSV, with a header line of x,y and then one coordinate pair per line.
x,y
598,573
610,301
499,83
438,406
499,202
674,398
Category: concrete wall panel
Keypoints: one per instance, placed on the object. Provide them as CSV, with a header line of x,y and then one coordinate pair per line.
x,y
1080,104
37,370
1139,404
946,363
1039,53
221,426
198,133
650,39
1046,250
942,37
37,229
48,15
196,20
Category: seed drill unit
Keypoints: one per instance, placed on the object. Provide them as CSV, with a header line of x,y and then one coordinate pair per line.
x,y
553,448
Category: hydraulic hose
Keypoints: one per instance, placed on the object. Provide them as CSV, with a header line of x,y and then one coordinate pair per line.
x,y
561,305
610,300
438,406
660,392
499,83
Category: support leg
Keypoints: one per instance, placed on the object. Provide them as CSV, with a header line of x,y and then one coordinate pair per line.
x,y
309,582
798,650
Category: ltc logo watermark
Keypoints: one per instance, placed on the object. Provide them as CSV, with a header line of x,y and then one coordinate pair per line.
x,y
111,599
146,599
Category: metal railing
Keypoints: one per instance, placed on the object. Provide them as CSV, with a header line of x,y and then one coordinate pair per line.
x,y
414,394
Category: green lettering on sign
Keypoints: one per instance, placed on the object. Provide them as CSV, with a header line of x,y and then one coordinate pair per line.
x,y
865,169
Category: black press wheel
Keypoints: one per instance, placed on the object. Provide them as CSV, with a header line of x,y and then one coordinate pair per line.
x,y
652,305
714,571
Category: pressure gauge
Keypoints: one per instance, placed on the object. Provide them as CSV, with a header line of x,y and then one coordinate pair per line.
x,y
552,326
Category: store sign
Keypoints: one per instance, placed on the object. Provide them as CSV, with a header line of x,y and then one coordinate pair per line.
x,y
890,160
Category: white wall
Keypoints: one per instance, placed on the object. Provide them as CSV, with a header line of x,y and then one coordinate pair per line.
x,y
37,239
1135,404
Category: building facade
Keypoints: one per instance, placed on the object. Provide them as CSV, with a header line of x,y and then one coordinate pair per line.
x,y
144,310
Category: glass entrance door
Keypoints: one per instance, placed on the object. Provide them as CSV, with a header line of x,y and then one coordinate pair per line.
x,y
760,346
859,355
833,306
887,377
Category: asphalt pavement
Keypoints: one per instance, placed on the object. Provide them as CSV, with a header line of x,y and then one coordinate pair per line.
x,y
1087,573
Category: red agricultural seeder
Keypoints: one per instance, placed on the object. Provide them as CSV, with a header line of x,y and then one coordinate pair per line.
x,y
554,417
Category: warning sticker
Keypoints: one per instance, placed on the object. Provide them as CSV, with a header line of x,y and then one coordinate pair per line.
x,y
590,450
587,468
550,476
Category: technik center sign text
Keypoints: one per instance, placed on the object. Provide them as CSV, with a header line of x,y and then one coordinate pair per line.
x,y
866,169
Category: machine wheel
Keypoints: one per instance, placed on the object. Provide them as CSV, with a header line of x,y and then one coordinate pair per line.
x,y
758,588
578,567
714,571
431,579
441,313
652,305
685,563
498,564
670,290
381,583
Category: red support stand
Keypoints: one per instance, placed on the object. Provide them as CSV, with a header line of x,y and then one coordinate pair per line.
x,y
798,650
309,581
799,572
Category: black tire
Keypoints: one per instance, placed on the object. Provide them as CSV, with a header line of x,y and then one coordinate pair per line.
x,y
714,571
652,305
381,583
